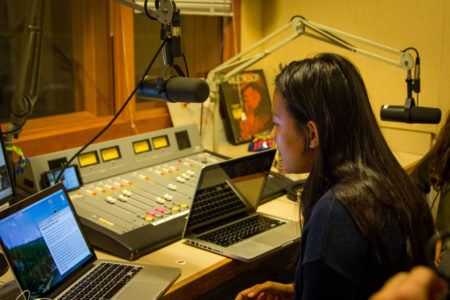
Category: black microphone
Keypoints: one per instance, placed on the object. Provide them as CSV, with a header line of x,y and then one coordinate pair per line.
x,y
413,114
175,89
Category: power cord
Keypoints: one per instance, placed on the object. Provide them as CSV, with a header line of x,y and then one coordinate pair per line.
x,y
27,297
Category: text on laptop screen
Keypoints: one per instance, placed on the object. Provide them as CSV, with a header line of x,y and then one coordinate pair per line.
x,y
44,242
5,182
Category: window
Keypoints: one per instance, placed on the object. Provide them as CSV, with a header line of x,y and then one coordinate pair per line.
x,y
92,53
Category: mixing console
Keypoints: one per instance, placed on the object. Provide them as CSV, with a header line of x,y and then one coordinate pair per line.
x,y
137,190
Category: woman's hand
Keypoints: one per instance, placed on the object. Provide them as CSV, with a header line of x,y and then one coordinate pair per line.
x,y
268,290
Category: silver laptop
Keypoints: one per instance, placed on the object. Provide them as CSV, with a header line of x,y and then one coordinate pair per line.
x,y
51,257
7,192
223,217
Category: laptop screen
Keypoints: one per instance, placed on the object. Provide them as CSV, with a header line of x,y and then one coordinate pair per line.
x,y
43,241
221,187
249,174
6,189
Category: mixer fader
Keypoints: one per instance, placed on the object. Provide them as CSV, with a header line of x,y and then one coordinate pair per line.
x,y
137,190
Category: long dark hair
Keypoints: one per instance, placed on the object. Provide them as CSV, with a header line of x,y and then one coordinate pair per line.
x,y
354,159
440,158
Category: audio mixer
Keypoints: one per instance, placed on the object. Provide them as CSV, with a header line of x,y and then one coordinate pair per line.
x,y
132,194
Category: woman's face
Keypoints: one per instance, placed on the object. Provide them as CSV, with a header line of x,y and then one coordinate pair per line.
x,y
290,140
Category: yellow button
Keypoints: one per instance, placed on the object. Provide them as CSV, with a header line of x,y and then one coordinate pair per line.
x,y
148,218
175,208
136,185
183,205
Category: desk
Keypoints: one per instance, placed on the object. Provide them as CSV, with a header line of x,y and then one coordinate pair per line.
x,y
201,270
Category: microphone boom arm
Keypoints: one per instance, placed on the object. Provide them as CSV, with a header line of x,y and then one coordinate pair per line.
x,y
299,25
27,87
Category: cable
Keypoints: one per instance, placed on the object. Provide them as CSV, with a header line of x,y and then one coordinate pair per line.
x,y
28,113
434,201
23,294
185,64
411,48
27,297
146,10
115,116
415,66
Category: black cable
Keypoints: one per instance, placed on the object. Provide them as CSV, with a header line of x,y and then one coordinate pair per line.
x,y
411,48
15,130
434,201
25,118
115,116
146,10
185,64
417,60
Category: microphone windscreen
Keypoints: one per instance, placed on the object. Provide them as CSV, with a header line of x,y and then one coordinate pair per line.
x,y
184,89
392,113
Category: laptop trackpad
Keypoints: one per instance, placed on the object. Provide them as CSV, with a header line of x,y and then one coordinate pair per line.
x,y
139,290
273,239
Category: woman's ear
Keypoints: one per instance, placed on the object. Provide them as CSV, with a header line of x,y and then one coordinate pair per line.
x,y
313,134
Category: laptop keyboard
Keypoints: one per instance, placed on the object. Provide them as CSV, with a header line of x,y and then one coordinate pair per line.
x,y
242,230
213,202
103,282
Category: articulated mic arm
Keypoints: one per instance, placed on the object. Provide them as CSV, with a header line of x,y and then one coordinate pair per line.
x,y
27,87
300,26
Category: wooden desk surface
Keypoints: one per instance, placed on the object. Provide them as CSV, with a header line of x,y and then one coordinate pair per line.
x,y
201,270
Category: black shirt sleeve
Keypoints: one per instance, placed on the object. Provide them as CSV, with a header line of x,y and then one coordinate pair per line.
x,y
323,282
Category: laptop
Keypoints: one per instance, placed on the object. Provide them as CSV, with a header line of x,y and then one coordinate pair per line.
x,y
7,193
223,217
51,257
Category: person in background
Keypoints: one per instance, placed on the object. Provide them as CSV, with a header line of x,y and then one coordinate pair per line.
x,y
364,218
419,284
433,170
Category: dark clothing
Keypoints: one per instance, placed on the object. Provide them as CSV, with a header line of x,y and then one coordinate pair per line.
x,y
420,175
336,261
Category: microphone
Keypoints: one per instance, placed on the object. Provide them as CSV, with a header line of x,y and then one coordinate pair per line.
x,y
175,89
413,114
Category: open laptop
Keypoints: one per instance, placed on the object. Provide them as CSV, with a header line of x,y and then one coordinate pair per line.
x,y
50,255
7,193
223,217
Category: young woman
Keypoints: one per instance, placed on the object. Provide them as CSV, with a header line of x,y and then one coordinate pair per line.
x,y
364,219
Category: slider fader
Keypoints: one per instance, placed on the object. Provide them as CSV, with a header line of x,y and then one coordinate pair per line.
x,y
136,191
